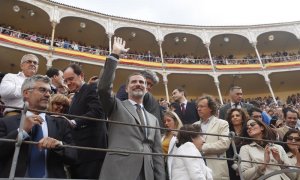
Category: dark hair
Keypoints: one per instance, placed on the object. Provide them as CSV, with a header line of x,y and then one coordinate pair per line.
x,y
254,109
234,87
181,89
245,118
52,72
76,68
268,133
134,74
183,137
211,103
291,131
286,110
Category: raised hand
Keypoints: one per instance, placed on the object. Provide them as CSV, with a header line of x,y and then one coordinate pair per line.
x,y
119,46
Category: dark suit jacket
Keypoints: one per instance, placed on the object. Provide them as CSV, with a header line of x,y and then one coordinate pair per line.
x,y
190,116
119,166
56,158
88,133
224,109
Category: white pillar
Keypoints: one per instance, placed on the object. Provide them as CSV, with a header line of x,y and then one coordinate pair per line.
x,y
165,80
53,24
267,80
164,73
49,62
109,35
216,80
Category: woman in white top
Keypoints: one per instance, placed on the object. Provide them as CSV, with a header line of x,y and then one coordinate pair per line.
x,y
190,144
260,151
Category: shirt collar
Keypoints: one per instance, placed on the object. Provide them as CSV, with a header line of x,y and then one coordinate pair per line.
x,y
42,115
209,119
134,103
21,74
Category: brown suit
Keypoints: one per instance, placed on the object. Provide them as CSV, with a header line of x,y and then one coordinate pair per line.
x,y
282,131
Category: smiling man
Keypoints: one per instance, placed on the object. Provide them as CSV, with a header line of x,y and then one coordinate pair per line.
x,y
290,118
119,166
10,88
86,133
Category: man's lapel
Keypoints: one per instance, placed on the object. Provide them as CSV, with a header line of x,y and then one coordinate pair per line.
x,y
131,110
51,126
211,125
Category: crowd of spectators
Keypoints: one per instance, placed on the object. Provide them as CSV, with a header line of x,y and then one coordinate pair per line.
x,y
65,43
260,119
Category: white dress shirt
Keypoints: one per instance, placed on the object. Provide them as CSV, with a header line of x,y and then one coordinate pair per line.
x,y
10,90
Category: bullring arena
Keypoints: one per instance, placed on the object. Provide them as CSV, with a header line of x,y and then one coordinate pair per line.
x,y
263,59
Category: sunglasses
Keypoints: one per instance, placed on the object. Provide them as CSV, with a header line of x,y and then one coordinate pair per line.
x,y
252,124
293,138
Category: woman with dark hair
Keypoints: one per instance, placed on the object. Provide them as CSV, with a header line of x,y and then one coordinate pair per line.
x,y
190,144
292,149
257,150
237,120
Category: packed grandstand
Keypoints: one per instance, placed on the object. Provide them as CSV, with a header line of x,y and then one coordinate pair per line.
x,y
242,78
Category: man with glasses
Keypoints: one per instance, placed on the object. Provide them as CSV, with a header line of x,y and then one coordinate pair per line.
x,y
45,159
214,146
10,88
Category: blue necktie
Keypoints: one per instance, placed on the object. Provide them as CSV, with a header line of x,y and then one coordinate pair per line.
x,y
37,162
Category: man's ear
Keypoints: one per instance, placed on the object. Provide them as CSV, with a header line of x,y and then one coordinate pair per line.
x,y
126,88
26,94
82,76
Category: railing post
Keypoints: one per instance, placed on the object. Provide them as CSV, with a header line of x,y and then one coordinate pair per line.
x,y
18,143
232,137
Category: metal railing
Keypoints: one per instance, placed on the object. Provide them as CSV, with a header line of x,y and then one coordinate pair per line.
x,y
231,136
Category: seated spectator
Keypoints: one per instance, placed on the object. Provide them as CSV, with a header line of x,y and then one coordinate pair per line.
x,y
171,121
260,151
292,150
237,120
190,144
291,117
59,103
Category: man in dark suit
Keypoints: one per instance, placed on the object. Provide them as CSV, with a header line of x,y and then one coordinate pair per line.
x,y
86,133
236,96
57,80
46,159
118,165
186,111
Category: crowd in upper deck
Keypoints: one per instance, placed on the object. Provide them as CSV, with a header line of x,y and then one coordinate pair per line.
x,y
62,42
67,92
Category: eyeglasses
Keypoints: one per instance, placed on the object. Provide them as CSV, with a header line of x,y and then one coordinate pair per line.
x,y
42,90
293,138
30,62
252,124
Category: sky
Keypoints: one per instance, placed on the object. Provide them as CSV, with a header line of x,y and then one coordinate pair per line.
x,y
197,12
